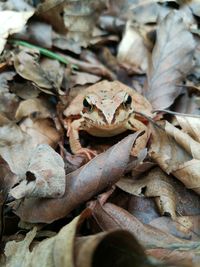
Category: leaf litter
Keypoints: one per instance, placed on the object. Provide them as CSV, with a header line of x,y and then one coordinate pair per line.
x,y
117,209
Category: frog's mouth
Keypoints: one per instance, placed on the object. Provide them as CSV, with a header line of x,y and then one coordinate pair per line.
x,y
97,118
103,124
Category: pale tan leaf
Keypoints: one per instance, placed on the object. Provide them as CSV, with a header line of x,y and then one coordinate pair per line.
x,y
42,131
190,125
132,52
11,22
45,176
171,61
189,174
52,252
154,184
82,78
172,158
184,140
18,253
29,106
15,148
165,150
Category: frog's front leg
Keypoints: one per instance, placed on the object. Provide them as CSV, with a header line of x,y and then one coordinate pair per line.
x,y
142,140
73,133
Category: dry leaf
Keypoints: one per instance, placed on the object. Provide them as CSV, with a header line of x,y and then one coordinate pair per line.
x,y
110,217
55,251
30,106
8,101
172,158
26,63
76,18
20,89
185,227
155,184
176,258
37,32
82,78
65,249
184,140
15,148
54,71
45,176
12,22
95,67
190,125
132,52
42,131
171,61
110,249
101,172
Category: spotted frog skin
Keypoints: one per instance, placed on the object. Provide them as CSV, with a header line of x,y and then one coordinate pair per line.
x,y
106,109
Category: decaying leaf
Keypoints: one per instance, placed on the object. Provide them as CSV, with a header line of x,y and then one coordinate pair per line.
x,y
172,158
26,63
110,249
54,251
190,125
76,18
15,148
37,32
184,140
128,199
30,106
132,52
8,101
42,131
45,175
154,184
185,227
65,249
82,78
110,216
12,22
171,61
101,172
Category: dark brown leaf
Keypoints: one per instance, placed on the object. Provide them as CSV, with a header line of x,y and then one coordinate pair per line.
x,y
110,216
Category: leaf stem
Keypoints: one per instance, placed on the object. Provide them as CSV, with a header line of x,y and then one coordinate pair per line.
x,y
43,51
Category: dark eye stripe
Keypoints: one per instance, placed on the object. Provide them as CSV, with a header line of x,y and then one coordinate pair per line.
x,y
86,104
128,100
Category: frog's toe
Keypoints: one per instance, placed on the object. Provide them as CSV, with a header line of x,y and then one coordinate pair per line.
x,y
89,153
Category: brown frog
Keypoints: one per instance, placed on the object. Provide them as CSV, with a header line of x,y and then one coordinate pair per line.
x,y
106,109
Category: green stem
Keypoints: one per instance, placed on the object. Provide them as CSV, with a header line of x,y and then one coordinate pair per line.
x,y
43,51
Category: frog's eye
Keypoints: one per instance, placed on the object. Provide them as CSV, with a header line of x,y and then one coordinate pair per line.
x,y
87,105
127,100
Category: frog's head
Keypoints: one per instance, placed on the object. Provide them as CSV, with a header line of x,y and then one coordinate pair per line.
x,y
107,109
